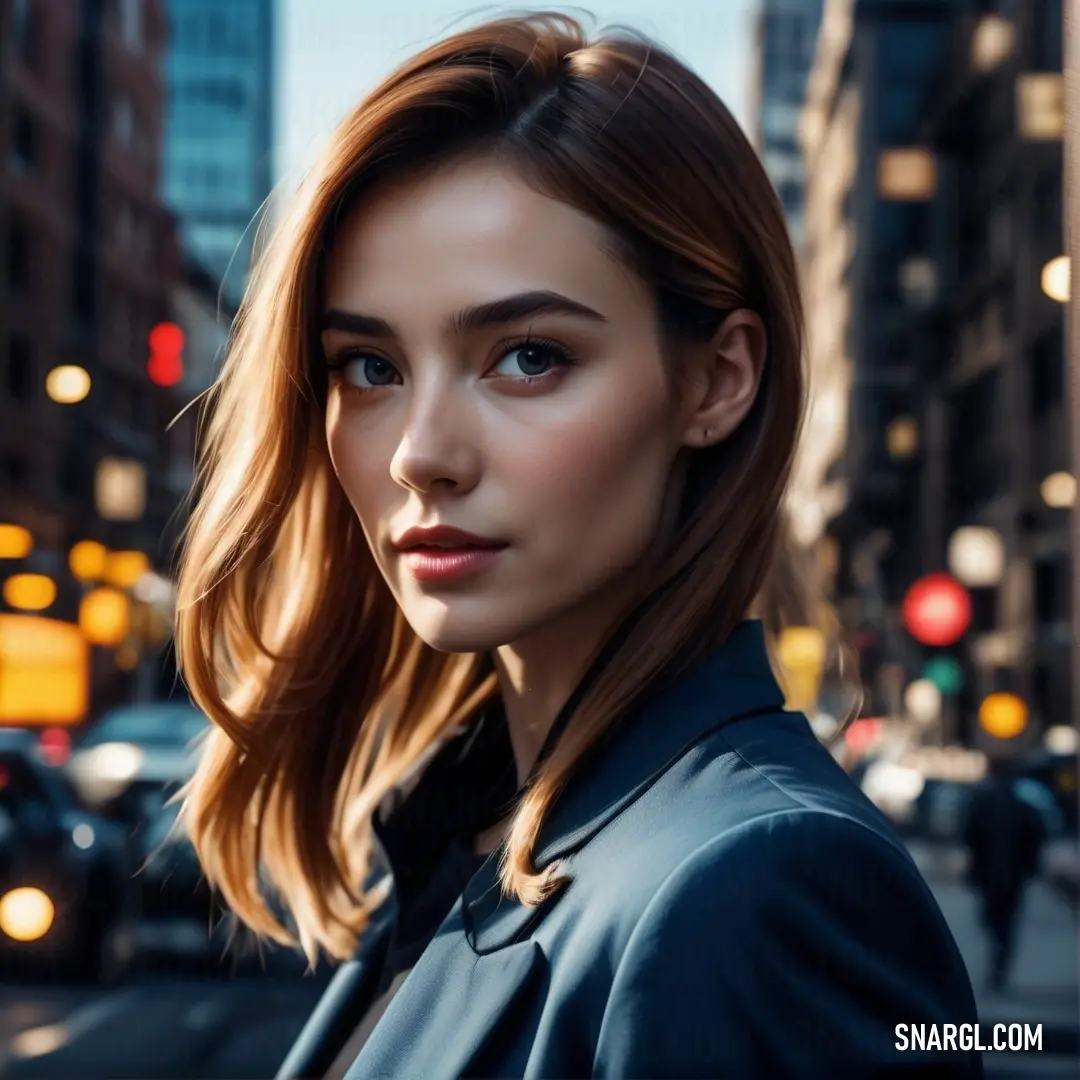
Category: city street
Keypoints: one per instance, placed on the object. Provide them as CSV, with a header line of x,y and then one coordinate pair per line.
x,y
196,1028
160,1027
1043,989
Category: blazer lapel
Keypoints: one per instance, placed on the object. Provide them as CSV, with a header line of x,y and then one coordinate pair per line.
x,y
458,999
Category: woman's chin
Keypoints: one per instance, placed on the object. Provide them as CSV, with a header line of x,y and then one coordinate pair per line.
x,y
451,631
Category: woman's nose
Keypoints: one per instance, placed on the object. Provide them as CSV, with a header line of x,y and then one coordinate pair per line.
x,y
438,448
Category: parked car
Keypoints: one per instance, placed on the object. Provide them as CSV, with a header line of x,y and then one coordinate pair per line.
x,y
135,757
68,900
129,765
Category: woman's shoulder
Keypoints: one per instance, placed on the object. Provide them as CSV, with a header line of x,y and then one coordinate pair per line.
x,y
803,931
765,775
756,808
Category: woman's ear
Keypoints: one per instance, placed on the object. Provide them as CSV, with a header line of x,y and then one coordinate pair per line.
x,y
725,374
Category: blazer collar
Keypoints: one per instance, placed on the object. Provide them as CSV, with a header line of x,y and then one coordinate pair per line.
x,y
735,681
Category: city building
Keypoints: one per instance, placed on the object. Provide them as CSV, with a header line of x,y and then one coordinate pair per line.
x,y
785,36
218,132
932,134
90,263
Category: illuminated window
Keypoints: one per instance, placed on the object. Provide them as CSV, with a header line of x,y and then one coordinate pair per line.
x,y
991,43
906,175
1040,106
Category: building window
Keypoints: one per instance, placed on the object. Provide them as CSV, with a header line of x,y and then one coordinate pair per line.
x,y
125,228
20,372
131,28
18,259
978,460
15,468
1053,582
1048,371
123,122
83,299
24,31
1047,38
227,94
23,141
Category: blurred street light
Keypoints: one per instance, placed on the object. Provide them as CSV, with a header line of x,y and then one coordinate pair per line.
x,y
67,384
1058,490
977,556
105,616
120,489
15,542
918,280
1056,278
922,699
153,589
862,734
1040,106
86,560
991,43
124,568
1061,739
902,438
29,592
46,671
1003,715
906,174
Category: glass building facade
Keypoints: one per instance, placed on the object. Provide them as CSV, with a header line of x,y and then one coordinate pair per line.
x,y
219,130
787,36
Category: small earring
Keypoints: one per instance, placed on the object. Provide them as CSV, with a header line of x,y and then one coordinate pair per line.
x,y
708,433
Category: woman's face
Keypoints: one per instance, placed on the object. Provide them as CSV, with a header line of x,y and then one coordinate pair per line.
x,y
494,371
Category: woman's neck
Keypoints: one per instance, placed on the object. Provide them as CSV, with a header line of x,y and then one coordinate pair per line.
x,y
538,674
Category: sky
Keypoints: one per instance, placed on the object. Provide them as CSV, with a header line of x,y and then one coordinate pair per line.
x,y
333,52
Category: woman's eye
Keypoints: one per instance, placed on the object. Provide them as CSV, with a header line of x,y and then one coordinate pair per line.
x,y
368,372
529,361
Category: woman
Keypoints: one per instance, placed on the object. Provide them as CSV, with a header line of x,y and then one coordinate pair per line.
x,y
492,483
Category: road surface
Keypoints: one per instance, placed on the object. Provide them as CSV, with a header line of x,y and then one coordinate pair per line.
x,y
185,1027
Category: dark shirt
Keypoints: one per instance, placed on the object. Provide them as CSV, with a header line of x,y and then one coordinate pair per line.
x,y
428,838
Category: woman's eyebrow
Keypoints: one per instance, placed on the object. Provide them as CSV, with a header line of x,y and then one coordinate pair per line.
x,y
508,309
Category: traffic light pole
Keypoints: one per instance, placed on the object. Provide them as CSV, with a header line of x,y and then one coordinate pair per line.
x,y
1071,38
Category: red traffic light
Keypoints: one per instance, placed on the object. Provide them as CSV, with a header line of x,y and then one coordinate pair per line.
x,y
166,366
937,610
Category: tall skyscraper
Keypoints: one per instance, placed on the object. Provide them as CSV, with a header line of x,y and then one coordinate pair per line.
x,y
219,130
786,38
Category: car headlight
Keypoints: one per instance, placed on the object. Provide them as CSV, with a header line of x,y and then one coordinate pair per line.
x,y
103,772
26,914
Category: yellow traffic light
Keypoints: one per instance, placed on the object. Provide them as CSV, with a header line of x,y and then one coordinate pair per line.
x,y
1003,715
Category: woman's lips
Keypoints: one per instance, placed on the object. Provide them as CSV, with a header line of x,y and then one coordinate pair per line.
x,y
442,564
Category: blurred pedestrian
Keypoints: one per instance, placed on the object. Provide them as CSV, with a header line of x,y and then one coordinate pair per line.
x,y
1004,834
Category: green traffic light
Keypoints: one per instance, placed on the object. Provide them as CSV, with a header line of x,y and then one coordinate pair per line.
x,y
945,673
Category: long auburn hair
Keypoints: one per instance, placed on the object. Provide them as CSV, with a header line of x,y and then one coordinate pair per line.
x,y
323,698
